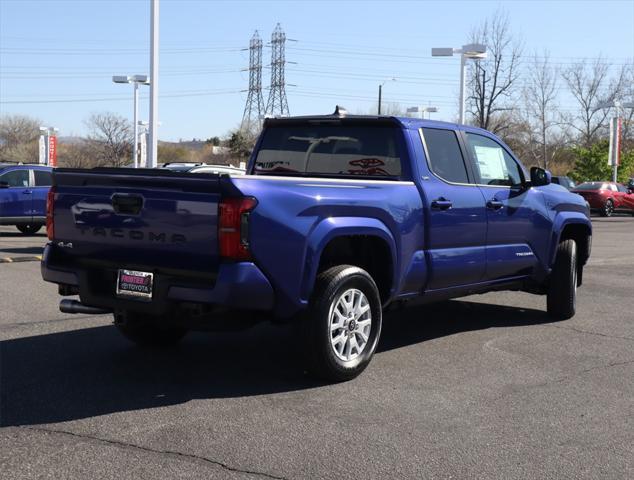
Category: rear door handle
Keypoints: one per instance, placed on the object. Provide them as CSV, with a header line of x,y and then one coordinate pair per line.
x,y
441,204
494,204
27,192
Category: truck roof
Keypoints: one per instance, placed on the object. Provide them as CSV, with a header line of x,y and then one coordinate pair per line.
x,y
341,115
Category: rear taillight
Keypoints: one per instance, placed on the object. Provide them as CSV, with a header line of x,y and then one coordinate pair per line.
x,y
233,227
50,206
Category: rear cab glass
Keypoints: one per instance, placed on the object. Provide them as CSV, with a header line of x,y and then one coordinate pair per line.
x,y
327,150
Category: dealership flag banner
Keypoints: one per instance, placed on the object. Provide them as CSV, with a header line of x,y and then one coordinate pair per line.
x,y
614,154
52,151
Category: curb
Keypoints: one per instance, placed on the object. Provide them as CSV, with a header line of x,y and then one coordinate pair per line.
x,y
32,258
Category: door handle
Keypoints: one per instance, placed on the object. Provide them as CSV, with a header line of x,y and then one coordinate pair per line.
x,y
494,204
441,204
27,192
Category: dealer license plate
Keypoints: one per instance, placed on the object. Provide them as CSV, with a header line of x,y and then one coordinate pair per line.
x,y
132,283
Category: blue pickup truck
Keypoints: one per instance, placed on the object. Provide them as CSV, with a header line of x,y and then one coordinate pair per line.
x,y
23,191
337,218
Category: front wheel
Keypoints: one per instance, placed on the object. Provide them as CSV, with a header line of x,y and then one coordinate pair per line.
x,y
608,209
342,327
28,229
146,331
562,291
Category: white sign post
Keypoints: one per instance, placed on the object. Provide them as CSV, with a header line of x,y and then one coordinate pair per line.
x,y
614,152
43,150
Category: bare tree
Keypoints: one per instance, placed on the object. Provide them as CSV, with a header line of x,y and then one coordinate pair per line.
x,y
109,139
76,155
18,129
591,87
493,79
19,139
540,97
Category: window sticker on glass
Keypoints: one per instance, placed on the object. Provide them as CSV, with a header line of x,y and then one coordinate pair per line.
x,y
491,162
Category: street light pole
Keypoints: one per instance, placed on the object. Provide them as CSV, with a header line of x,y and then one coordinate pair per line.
x,y
135,80
381,90
154,65
463,81
135,148
473,51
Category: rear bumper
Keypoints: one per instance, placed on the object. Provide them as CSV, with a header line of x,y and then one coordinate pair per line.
x,y
239,286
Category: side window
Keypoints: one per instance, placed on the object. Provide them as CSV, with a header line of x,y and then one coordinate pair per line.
x,y
445,157
621,188
493,164
16,178
43,178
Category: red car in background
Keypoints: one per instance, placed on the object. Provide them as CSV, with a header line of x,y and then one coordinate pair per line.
x,y
607,197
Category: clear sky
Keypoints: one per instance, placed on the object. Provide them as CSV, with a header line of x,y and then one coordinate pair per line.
x,y
57,57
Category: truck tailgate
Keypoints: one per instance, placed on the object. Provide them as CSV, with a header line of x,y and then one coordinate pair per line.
x,y
139,219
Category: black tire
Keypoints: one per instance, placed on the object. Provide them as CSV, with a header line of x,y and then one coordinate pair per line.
x,y
608,209
317,337
146,331
562,291
28,229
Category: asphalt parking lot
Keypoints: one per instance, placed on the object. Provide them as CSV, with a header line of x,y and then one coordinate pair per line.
x,y
484,387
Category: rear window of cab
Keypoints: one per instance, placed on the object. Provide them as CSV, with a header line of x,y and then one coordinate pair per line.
x,y
356,151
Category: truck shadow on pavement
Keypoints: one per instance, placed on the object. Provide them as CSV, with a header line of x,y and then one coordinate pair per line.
x,y
94,371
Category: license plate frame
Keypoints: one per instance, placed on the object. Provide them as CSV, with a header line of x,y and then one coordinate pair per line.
x,y
135,284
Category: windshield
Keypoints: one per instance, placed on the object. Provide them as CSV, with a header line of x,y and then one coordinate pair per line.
x,y
592,186
341,150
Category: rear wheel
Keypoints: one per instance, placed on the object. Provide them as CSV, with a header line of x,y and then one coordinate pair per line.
x,y
562,291
341,330
608,209
146,331
29,229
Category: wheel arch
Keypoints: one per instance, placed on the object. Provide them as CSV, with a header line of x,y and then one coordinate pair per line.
x,y
363,242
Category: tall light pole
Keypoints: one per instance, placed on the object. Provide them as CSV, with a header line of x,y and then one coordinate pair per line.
x,y
154,66
474,51
615,133
134,80
390,79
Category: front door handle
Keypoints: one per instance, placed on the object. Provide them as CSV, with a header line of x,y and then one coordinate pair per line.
x,y
27,192
494,204
441,204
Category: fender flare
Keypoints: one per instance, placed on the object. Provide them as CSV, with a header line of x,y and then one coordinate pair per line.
x,y
330,228
563,220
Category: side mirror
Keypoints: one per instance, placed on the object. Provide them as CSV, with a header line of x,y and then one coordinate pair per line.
x,y
540,177
4,184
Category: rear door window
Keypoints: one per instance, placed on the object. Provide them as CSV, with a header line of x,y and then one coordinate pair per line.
x,y
493,164
16,178
330,150
444,155
43,178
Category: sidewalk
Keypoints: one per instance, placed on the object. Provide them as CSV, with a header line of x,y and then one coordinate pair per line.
x,y
17,247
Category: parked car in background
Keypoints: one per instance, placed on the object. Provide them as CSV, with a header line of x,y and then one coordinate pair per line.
x,y
204,168
23,190
630,184
607,197
565,182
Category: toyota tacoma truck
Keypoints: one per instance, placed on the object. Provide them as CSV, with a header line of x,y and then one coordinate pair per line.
x,y
338,217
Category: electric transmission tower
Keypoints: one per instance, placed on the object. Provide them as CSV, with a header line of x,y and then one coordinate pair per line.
x,y
254,108
277,103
